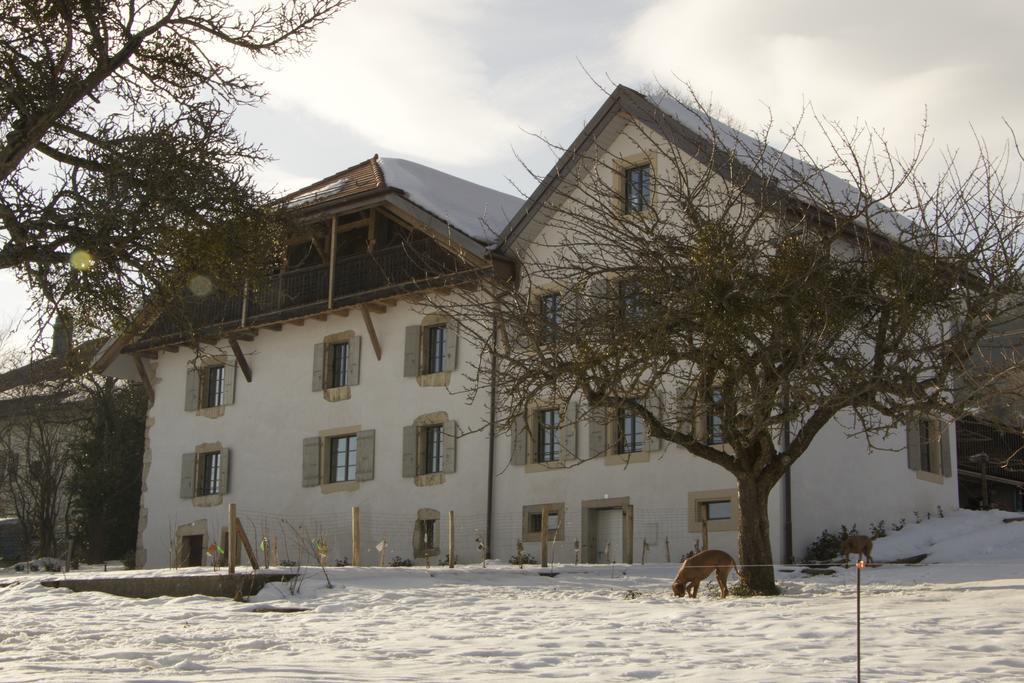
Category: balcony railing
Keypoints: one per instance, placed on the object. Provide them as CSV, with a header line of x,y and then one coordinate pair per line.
x,y
404,267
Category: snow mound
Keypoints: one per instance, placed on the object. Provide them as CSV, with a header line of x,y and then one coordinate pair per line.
x,y
962,536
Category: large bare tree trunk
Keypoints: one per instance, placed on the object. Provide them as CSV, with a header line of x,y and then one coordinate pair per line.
x,y
755,560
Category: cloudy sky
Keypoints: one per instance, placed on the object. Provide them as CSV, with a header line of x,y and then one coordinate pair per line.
x,y
461,84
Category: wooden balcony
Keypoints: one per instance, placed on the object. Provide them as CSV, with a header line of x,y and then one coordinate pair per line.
x,y
411,266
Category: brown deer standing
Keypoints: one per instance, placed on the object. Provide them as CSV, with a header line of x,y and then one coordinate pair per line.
x,y
698,567
856,544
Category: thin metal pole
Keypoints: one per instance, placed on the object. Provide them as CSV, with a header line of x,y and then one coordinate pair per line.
x,y
860,565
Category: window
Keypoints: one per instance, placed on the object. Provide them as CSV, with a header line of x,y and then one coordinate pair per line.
x,y
338,363
436,339
925,438
428,528
716,510
551,314
209,474
213,386
713,418
537,517
638,188
630,300
548,444
433,449
343,458
630,432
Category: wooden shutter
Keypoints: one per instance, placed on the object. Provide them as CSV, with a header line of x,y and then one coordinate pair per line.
x,y
364,454
225,466
192,390
230,371
945,433
318,367
914,445
412,351
451,347
450,435
352,372
409,434
519,440
188,475
654,403
311,461
598,431
567,432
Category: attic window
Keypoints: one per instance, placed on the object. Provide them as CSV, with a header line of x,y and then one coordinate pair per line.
x,y
638,188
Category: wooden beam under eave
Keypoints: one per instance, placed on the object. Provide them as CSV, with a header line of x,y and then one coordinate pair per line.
x,y
140,367
376,307
371,330
240,358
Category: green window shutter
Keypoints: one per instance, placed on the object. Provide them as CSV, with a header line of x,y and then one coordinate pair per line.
x,y
945,433
914,445
230,371
409,434
311,461
192,390
598,431
318,367
451,347
364,454
412,351
188,475
450,431
567,433
352,372
520,440
225,466
654,403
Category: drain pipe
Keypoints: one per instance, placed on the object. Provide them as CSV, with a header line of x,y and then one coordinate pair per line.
x,y
787,492
490,445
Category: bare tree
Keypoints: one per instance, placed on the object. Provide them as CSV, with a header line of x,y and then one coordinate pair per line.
x,y
741,297
117,154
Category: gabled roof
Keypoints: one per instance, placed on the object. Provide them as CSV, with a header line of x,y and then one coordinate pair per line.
x,y
475,211
689,128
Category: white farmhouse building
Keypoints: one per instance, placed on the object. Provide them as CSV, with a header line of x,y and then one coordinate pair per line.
x,y
330,386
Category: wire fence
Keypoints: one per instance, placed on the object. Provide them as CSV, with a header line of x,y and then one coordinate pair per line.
x,y
597,535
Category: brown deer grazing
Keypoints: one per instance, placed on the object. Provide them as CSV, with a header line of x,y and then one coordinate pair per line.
x,y
698,567
856,544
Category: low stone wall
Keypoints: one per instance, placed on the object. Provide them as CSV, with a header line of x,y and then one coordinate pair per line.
x,y
214,585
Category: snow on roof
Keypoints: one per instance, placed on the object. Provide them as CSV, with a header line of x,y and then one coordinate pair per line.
x,y
317,194
814,185
477,211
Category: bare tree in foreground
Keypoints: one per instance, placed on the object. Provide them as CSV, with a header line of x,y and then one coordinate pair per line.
x,y
741,300
121,175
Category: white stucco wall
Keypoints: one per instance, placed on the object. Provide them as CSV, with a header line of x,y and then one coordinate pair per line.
x,y
265,426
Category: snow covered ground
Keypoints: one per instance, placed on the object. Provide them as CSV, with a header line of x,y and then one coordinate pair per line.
x,y
959,619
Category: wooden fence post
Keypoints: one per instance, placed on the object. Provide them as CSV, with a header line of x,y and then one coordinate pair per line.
x,y
232,536
355,536
451,538
544,536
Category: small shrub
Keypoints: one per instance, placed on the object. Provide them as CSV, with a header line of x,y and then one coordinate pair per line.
x,y
826,546
398,561
878,529
525,558
129,559
941,515
289,563
343,562
898,526
632,595
917,517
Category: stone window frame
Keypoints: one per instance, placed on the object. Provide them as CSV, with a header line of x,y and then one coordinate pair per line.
x,y
697,499
351,458
612,456
206,373
208,475
200,367
545,509
442,378
568,454
621,165
326,344
435,419
211,499
325,436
